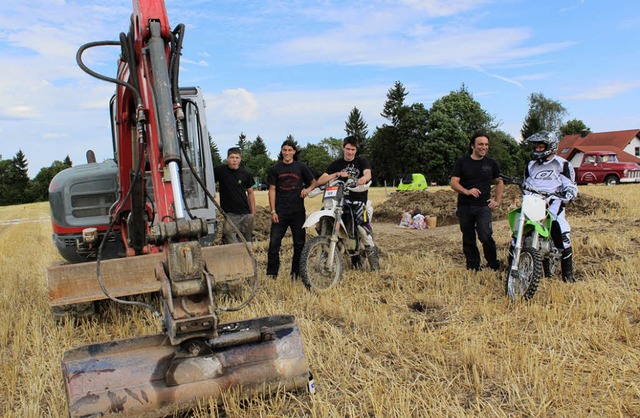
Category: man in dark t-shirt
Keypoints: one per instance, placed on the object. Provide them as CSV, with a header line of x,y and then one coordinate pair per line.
x,y
471,178
358,168
236,197
287,181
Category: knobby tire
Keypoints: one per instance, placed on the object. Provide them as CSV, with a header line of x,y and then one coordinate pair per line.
x,y
529,275
313,268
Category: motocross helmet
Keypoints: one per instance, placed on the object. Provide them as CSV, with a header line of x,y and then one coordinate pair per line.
x,y
550,141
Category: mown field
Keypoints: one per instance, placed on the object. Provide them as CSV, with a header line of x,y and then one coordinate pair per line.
x,y
424,337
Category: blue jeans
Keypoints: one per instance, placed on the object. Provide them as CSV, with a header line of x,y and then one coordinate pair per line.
x,y
477,219
295,222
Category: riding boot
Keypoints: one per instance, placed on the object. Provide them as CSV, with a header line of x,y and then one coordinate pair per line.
x,y
372,256
567,265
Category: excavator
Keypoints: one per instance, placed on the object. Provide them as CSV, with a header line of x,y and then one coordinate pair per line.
x,y
145,222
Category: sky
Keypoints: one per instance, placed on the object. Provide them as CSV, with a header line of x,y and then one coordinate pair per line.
x,y
298,67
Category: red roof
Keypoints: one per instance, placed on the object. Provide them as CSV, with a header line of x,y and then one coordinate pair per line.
x,y
599,141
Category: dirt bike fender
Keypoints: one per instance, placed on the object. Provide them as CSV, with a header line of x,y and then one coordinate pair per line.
x,y
543,228
315,217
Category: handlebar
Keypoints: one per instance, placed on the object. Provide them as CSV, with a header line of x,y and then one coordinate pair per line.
x,y
349,185
523,186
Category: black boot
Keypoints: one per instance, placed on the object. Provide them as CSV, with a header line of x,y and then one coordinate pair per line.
x,y
567,265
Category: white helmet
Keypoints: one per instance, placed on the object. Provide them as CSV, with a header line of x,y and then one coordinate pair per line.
x,y
550,141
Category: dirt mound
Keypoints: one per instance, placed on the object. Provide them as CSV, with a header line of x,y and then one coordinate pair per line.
x,y
262,223
442,204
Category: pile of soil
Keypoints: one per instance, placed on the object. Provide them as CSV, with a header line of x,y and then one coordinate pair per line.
x,y
261,224
442,204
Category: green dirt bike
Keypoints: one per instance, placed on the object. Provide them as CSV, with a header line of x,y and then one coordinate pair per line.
x,y
534,252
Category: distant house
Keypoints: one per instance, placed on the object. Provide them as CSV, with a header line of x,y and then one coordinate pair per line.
x,y
625,143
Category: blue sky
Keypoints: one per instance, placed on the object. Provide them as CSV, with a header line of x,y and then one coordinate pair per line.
x,y
274,68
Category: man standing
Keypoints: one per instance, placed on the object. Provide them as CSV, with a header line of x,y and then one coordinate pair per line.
x,y
471,178
358,168
287,181
236,197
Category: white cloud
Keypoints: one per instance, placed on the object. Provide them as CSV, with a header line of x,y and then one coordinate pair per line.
x,y
444,7
236,104
604,91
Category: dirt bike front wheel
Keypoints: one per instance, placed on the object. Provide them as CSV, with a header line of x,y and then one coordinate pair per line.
x,y
523,282
315,270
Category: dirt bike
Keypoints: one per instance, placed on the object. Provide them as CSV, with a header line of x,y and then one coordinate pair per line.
x,y
534,253
338,234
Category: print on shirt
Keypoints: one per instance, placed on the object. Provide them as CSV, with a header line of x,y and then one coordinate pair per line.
x,y
354,173
288,181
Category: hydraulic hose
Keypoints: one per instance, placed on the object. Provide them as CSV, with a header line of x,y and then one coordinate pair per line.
x,y
254,288
92,73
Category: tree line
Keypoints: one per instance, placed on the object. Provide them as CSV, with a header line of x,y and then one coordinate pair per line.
x,y
15,185
414,139
419,140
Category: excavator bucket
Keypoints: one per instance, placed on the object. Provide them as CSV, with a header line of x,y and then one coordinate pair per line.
x,y
147,376
70,284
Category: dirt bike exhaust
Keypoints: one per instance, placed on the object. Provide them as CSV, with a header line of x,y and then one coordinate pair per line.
x,y
147,376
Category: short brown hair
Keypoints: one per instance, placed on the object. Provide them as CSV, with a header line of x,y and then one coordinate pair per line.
x,y
234,150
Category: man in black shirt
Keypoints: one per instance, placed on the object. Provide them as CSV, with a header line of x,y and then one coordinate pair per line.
x,y
236,197
355,167
472,177
287,181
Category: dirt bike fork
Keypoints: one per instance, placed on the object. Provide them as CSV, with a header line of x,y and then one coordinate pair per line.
x,y
333,240
519,243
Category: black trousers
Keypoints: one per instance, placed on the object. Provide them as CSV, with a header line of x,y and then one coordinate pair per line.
x,y
477,219
295,222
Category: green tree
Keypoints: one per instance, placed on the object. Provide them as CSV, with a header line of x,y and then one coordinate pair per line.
x,y
243,143
383,154
453,119
14,180
39,186
316,157
356,126
258,147
393,107
384,148
333,147
411,131
216,159
256,159
544,115
573,127
506,150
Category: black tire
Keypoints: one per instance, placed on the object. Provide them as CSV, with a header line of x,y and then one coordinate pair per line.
x,y
314,271
611,180
529,273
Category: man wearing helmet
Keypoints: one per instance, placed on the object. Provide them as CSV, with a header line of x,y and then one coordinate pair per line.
x,y
553,174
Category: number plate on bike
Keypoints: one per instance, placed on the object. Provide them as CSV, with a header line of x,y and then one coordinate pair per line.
x,y
331,191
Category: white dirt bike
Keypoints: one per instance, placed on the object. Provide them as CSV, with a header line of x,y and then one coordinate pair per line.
x,y
338,234
534,253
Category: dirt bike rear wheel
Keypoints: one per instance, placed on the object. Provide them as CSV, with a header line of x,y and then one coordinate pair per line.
x,y
314,269
525,284
550,265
